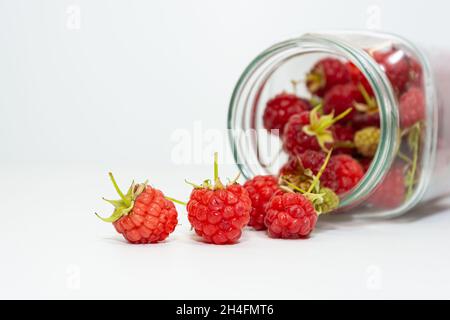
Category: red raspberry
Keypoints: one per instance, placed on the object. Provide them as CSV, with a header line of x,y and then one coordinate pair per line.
x,y
309,131
143,215
362,120
290,216
391,192
343,136
281,108
412,107
295,140
357,77
342,174
395,63
342,97
325,74
218,213
289,168
260,190
312,160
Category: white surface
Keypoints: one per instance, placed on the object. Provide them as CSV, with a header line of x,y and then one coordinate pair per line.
x,y
77,102
52,246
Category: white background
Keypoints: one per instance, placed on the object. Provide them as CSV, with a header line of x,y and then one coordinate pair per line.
x,y
92,86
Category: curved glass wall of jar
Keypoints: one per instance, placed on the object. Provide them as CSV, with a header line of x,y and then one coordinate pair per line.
x,y
396,99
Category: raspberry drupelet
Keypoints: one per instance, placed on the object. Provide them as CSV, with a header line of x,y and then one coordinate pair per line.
x,y
143,215
218,213
260,189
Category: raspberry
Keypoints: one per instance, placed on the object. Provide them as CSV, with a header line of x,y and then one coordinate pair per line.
x,y
289,168
342,97
290,216
308,182
343,136
391,192
412,107
342,174
281,108
395,64
366,119
415,73
312,160
325,74
367,140
330,201
309,131
218,213
357,77
295,140
260,190
143,215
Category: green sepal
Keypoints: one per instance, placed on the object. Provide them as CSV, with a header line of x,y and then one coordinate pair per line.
x,y
125,204
319,126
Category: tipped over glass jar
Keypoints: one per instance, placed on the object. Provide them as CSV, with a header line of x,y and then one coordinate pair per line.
x,y
368,98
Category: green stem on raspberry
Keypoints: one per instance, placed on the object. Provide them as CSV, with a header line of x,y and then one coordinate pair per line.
x,y
235,180
176,201
404,157
196,186
413,141
341,116
122,196
217,183
293,186
319,126
321,171
370,101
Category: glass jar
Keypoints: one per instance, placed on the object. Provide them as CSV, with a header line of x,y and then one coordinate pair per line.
x,y
422,148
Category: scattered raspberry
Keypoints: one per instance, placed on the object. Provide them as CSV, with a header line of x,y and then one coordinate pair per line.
x,y
342,97
391,192
281,108
218,213
357,77
260,190
395,63
367,140
143,215
412,107
325,74
290,216
342,174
